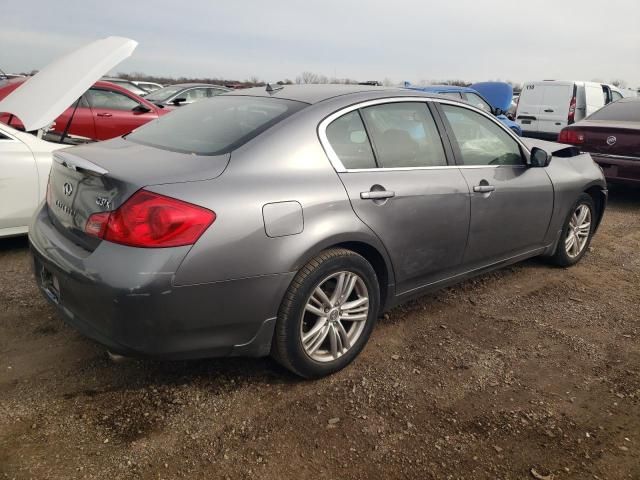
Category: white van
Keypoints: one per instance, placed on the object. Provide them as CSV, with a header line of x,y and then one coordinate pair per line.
x,y
546,107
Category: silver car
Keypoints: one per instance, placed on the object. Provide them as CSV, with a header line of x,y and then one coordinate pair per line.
x,y
283,221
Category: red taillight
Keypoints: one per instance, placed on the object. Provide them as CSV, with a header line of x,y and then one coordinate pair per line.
x,y
570,136
150,220
572,111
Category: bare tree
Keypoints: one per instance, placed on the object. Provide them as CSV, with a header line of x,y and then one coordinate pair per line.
x,y
619,83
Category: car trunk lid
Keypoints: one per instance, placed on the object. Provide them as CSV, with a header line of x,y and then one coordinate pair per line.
x,y
610,138
84,180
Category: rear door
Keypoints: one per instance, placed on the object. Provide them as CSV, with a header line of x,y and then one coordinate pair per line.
x,y
115,113
529,106
397,177
511,203
553,115
77,120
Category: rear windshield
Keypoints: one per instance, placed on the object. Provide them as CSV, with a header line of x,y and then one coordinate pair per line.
x,y
215,126
620,111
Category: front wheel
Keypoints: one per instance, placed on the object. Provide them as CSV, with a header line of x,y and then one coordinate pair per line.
x,y
327,314
576,233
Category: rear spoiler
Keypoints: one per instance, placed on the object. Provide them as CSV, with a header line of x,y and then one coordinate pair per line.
x,y
78,164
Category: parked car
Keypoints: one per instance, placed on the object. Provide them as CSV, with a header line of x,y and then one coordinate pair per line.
x,y
128,85
185,93
286,219
612,137
26,159
148,86
546,107
475,98
104,111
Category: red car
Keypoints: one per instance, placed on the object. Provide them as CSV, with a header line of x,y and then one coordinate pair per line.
x,y
105,111
612,137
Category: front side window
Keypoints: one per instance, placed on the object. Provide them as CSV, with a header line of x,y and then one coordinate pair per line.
x,y
163,94
404,134
350,142
107,99
212,92
481,141
194,95
215,127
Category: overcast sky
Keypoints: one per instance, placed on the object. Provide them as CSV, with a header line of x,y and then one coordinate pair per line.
x,y
401,39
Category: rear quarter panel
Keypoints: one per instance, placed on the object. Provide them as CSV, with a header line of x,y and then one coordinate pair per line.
x,y
285,164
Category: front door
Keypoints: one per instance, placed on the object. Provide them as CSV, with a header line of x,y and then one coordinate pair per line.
x,y
116,113
511,203
400,185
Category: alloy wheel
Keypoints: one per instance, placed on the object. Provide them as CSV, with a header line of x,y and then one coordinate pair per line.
x,y
334,316
578,231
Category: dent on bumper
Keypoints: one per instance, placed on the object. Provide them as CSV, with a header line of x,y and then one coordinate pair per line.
x,y
124,298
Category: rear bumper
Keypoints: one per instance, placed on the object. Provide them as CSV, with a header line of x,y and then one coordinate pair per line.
x,y
618,168
124,298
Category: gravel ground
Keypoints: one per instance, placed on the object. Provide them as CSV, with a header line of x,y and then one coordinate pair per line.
x,y
528,372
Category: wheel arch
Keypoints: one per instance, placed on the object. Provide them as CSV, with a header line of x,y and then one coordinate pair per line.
x,y
375,254
599,197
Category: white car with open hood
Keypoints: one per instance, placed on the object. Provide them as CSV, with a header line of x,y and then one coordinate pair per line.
x,y
25,159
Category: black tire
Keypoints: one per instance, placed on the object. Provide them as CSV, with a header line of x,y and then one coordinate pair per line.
x,y
287,348
561,257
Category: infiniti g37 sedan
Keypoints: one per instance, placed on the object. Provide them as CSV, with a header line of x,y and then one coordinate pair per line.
x,y
283,221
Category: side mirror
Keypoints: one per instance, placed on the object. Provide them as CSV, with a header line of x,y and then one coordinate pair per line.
x,y
141,109
178,101
539,157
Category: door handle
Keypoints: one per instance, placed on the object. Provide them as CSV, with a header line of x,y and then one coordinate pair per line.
x,y
377,194
484,188
104,115
549,110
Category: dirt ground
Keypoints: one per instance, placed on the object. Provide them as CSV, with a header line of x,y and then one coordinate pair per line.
x,y
528,372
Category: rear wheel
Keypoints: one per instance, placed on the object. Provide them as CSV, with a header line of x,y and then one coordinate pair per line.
x,y
327,314
576,233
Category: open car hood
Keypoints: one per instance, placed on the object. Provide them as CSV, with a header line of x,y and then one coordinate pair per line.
x,y
498,94
43,97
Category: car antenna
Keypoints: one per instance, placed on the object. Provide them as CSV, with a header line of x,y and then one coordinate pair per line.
x,y
273,88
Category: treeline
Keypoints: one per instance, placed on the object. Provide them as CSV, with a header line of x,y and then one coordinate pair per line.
x,y
303,78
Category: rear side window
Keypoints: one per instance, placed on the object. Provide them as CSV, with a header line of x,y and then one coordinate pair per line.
x,y
404,135
622,111
350,142
480,140
478,101
215,126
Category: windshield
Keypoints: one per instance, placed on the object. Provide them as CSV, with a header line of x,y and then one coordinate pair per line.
x,y
620,111
164,94
215,126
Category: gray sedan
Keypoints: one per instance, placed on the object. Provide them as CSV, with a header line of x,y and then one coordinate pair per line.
x,y
283,221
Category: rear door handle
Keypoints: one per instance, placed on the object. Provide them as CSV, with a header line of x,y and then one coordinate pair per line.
x,y
549,110
104,115
484,188
377,194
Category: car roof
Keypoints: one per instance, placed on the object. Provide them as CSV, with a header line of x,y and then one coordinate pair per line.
x,y
443,89
189,85
311,93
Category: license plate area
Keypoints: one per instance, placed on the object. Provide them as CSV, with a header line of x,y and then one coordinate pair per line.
x,y
50,285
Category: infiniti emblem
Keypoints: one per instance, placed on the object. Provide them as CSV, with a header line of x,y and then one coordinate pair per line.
x,y
67,189
611,140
